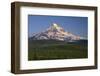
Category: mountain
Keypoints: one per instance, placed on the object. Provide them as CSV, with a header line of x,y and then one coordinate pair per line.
x,y
55,32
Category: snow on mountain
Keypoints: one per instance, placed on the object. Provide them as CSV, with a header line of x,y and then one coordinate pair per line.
x,y
55,32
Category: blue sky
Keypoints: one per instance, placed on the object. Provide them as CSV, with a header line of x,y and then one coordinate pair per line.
x,y
75,25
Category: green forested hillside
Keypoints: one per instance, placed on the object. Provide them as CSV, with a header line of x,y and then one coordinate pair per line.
x,y
52,49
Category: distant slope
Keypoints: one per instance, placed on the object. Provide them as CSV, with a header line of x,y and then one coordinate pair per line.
x,y
81,41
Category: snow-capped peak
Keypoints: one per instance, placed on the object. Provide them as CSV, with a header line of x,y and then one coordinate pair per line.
x,y
57,33
55,26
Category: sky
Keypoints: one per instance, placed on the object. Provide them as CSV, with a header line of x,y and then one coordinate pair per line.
x,y
75,25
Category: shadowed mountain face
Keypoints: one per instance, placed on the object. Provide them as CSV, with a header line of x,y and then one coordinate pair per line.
x,y
55,32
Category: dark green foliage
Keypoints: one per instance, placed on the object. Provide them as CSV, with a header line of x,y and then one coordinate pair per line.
x,y
51,49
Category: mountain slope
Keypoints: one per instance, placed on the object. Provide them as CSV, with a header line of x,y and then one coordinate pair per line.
x,y
55,32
